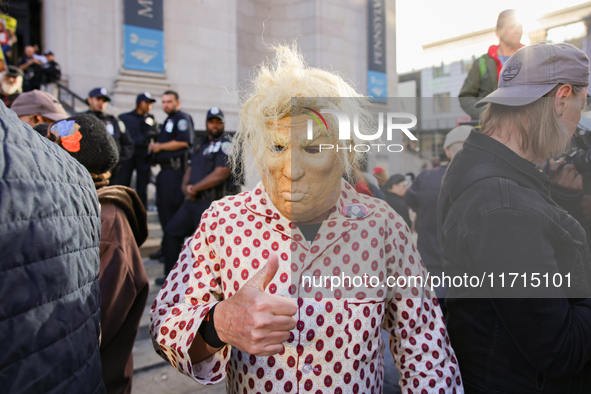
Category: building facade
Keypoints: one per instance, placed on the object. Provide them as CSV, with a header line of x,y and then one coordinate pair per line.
x,y
449,61
210,47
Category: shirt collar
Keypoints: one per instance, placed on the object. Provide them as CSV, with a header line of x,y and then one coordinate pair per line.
x,y
258,202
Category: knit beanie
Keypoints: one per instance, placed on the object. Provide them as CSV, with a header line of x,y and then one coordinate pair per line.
x,y
85,137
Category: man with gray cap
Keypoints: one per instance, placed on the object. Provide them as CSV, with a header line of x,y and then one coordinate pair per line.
x,y
422,198
37,107
514,331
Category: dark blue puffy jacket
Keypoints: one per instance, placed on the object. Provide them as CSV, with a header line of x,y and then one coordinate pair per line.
x,y
49,264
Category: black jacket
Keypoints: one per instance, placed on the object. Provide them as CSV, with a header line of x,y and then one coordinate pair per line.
x,y
142,129
399,205
422,198
513,339
49,265
52,72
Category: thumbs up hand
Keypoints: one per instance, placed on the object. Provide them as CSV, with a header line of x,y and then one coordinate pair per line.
x,y
254,321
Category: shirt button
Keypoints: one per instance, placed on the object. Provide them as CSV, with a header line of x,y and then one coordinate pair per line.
x,y
307,368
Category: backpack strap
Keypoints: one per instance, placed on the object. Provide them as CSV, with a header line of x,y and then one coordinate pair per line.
x,y
482,66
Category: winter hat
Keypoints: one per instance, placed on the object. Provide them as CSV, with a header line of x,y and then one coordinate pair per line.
x,y
457,134
86,138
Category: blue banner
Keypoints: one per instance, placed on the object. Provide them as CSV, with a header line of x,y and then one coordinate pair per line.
x,y
143,49
143,35
377,82
377,86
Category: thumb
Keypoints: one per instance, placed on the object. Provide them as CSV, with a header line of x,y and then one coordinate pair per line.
x,y
262,278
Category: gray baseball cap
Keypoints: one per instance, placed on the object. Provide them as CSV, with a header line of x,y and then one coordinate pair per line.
x,y
535,70
39,102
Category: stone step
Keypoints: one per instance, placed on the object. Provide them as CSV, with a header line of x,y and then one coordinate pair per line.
x,y
150,246
151,373
165,379
154,240
153,217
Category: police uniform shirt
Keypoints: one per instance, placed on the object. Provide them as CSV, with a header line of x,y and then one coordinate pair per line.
x,y
118,131
211,154
52,72
177,127
140,127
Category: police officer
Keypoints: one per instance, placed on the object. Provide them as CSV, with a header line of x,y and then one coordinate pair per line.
x,y
171,150
205,180
143,129
97,101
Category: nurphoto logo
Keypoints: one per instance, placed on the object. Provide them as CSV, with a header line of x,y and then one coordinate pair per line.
x,y
392,123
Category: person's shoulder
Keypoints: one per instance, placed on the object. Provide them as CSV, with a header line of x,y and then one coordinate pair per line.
x,y
127,115
182,115
226,144
226,137
431,173
229,208
235,201
182,123
377,205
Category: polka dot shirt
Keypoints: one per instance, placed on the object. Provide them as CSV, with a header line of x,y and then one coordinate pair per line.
x,y
337,344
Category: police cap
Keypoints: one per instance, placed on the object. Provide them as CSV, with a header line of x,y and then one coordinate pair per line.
x,y
99,92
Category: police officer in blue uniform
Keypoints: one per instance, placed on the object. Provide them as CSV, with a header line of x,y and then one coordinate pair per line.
x,y
171,150
206,179
143,129
97,101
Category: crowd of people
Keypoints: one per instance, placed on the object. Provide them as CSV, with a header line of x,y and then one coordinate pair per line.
x,y
249,291
110,148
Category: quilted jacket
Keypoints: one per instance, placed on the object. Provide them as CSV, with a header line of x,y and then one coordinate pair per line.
x,y
49,266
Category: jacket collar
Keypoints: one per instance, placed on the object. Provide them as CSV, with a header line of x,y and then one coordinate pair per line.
x,y
506,155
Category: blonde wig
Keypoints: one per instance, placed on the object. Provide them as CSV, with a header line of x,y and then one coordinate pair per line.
x,y
284,87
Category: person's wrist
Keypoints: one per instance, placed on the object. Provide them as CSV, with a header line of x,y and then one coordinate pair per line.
x,y
208,330
218,321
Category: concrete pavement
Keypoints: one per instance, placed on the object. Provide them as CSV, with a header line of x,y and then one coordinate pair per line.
x,y
153,375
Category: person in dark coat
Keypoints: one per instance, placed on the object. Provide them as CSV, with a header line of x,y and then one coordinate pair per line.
x,y
49,267
513,331
97,100
422,198
123,279
394,190
142,127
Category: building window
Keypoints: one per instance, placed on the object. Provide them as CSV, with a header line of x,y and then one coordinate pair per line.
x,y
441,102
441,71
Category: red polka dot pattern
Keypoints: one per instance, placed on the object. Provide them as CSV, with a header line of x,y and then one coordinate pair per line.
x,y
337,345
